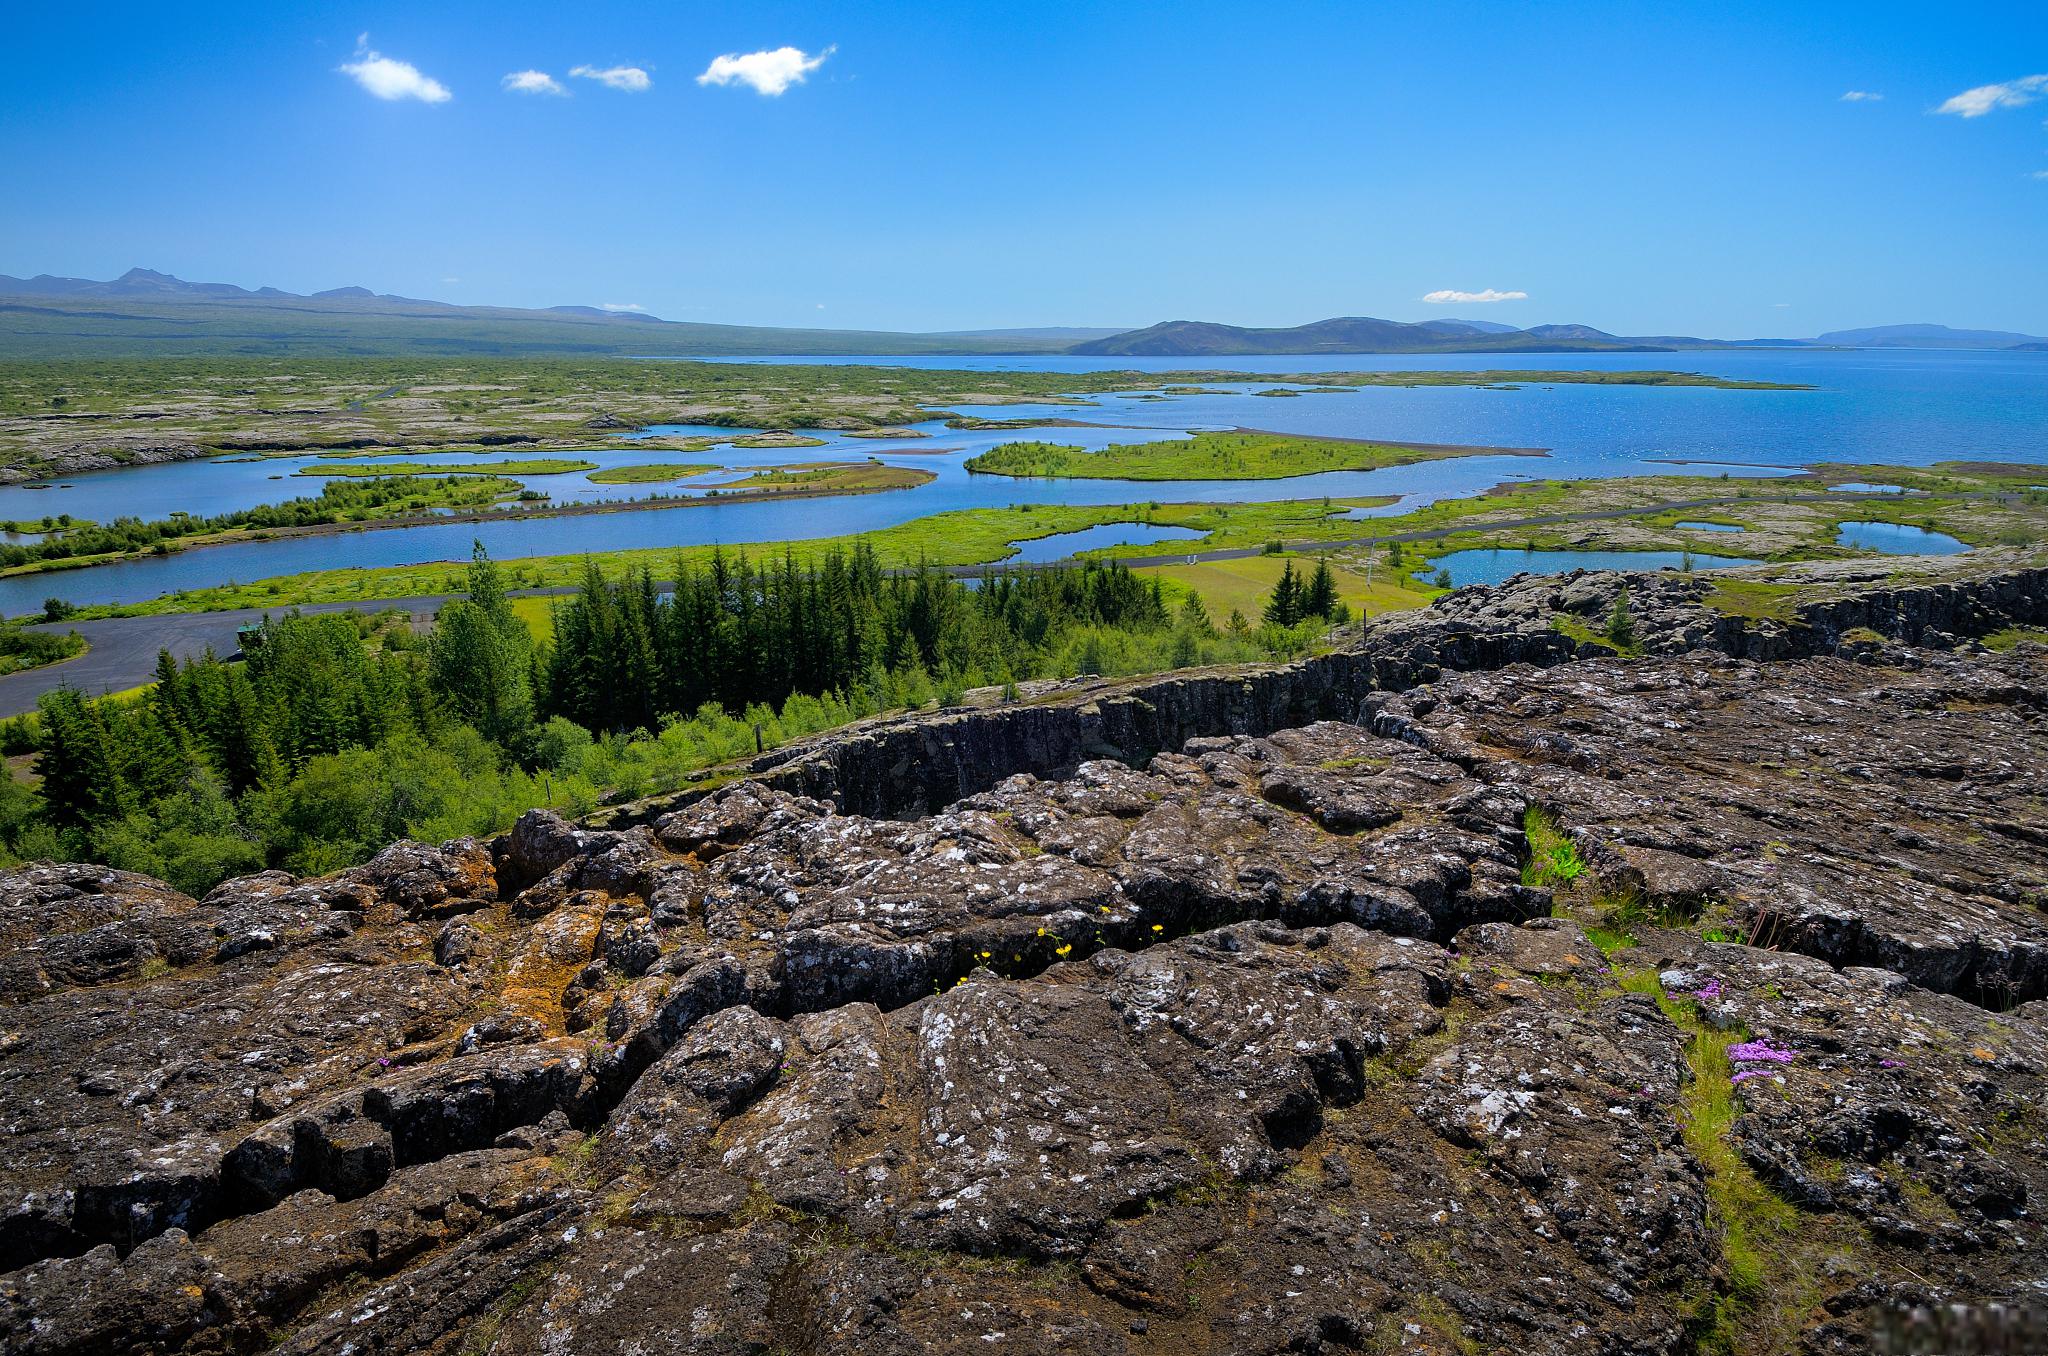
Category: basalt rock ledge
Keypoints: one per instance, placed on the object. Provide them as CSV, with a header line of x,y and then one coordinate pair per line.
x,y
1224,1012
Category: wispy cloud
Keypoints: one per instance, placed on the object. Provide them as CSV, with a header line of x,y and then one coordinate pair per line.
x,y
1862,96
2039,174
1452,297
621,306
389,78
765,72
1975,103
628,78
534,82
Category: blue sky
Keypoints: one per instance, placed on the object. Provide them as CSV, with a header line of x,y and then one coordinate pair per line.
x,y
1643,167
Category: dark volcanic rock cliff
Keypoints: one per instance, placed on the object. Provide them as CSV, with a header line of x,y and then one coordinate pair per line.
x,y
1208,1014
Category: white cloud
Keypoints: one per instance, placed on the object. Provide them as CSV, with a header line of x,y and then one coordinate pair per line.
x,y
621,306
389,78
534,82
766,72
1862,96
1451,297
1781,305
451,280
631,79
1975,103
2040,174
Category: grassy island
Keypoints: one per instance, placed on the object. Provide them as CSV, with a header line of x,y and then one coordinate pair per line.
x,y
1243,455
530,466
827,476
652,474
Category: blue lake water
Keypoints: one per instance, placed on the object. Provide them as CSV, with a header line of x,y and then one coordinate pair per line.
x,y
1897,407
1898,539
1710,527
1059,546
1499,566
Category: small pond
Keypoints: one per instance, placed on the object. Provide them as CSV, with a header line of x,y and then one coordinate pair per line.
x,y
1865,487
1045,550
1710,527
1498,565
1898,539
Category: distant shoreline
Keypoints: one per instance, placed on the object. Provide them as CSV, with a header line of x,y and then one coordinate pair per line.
x,y
479,516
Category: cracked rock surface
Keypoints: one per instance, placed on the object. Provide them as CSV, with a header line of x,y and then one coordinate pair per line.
x,y
1262,1046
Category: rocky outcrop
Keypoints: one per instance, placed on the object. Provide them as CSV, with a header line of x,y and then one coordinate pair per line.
x,y
1261,1041
916,765
101,456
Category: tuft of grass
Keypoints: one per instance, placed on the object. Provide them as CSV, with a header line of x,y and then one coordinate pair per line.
x,y
1609,939
2014,636
1552,858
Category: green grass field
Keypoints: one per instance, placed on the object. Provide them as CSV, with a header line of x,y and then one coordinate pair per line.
x,y
1245,585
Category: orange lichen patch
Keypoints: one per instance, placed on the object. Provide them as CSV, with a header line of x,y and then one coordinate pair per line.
x,y
479,878
561,944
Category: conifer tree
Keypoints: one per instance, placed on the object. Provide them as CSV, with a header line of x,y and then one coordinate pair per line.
x,y
1319,598
81,776
1284,607
480,657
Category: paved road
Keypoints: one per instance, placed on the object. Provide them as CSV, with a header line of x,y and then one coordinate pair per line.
x,y
124,649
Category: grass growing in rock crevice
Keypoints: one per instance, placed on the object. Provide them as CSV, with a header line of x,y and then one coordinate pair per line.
x,y
1769,1248
1610,912
1553,861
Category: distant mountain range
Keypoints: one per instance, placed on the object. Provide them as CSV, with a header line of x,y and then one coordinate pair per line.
x,y
1931,336
1363,334
151,313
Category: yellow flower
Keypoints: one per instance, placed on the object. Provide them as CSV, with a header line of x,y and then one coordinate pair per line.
x,y
1063,950
1159,927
